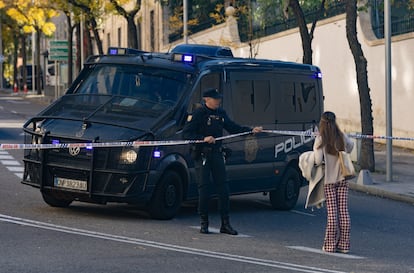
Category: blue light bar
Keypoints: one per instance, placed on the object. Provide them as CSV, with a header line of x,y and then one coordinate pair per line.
x,y
113,51
184,58
55,141
317,75
156,154
124,51
187,58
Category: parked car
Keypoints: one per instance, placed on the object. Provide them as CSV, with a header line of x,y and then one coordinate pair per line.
x,y
129,96
51,75
29,77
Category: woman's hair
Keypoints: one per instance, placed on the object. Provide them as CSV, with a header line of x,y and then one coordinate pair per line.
x,y
332,136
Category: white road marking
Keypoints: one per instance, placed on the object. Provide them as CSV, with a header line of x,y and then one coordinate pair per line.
x,y
19,101
10,98
320,251
10,162
303,213
11,124
217,230
164,246
16,169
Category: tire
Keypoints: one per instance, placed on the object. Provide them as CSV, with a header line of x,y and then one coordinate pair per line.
x,y
53,201
167,198
287,193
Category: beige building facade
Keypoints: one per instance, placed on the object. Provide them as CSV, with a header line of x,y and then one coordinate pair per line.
x,y
330,52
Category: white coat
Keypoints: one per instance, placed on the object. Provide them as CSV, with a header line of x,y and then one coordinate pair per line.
x,y
315,175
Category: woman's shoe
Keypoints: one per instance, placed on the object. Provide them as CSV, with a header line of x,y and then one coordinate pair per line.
x,y
343,251
324,250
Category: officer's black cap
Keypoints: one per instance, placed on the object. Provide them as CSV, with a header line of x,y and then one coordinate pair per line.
x,y
212,93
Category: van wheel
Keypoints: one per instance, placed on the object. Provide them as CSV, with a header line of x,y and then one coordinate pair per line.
x,y
166,200
287,193
53,201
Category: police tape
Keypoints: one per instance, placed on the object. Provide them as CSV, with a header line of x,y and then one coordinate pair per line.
x,y
139,143
352,135
91,145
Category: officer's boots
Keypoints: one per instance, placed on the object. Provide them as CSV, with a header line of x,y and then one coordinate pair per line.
x,y
204,224
226,227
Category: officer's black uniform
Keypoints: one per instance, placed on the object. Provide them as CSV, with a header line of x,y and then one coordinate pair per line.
x,y
209,158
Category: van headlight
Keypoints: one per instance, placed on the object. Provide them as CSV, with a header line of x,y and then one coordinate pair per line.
x,y
128,156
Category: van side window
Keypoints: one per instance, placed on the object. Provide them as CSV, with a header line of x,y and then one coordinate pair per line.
x,y
252,101
297,98
212,80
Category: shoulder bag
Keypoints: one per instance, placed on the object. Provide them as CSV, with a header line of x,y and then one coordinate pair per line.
x,y
347,167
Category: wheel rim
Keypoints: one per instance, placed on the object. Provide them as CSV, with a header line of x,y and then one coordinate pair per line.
x,y
170,195
290,189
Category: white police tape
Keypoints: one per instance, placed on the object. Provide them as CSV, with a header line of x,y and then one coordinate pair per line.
x,y
138,143
11,146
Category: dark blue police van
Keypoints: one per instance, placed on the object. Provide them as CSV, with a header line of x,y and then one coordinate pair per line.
x,y
130,95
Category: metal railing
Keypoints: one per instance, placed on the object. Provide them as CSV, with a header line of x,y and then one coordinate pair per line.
x,y
402,20
399,24
290,23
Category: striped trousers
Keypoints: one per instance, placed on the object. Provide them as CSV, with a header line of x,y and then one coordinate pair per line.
x,y
338,228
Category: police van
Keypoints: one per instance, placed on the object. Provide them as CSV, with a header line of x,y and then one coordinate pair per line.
x,y
129,107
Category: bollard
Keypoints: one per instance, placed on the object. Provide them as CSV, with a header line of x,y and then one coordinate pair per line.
x,y
364,178
15,89
25,88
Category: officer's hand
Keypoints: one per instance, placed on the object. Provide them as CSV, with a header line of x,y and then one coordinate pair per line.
x,y
210,139
257,129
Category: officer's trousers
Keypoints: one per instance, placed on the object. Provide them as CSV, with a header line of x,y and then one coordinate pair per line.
x,y
213,167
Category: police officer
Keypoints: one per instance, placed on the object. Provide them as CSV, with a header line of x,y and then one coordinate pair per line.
x,y
207,123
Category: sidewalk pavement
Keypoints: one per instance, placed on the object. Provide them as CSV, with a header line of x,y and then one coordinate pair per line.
x,y
401,188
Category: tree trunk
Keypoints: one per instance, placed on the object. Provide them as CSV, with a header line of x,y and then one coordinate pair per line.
x,y
303,29
70,50
132,33
24,59
367,160
96,36
88,41
37,80
15,56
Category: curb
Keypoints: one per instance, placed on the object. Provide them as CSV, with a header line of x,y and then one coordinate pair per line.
x,y
372,190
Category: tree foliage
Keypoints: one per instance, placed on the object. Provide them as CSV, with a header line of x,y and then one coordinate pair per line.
x,y
198,15
32,17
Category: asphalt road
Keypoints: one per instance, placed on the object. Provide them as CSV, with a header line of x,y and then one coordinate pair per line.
x,y
120,238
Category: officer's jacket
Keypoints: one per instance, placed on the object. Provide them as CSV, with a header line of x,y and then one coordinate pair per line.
x,y
206,122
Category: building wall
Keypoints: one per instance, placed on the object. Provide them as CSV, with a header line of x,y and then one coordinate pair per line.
x,y
332,54
149,22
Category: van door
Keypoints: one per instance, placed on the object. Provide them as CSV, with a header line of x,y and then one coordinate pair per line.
x,y
250,100
300,105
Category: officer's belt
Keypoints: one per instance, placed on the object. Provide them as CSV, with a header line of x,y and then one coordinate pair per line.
x,y
206,150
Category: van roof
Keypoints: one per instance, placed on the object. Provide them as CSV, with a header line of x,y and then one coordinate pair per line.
x,y
192,58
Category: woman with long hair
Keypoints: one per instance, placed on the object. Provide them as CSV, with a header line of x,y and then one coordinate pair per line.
x,y
327,145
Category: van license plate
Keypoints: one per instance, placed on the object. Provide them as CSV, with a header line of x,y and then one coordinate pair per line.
x,y
70,183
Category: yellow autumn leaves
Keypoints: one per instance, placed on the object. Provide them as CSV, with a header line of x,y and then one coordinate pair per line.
x,y
31,15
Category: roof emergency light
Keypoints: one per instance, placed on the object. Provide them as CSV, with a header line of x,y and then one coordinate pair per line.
x,y
184,58
124,51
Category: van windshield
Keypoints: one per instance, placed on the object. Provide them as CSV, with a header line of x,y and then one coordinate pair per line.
x,y
156,86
